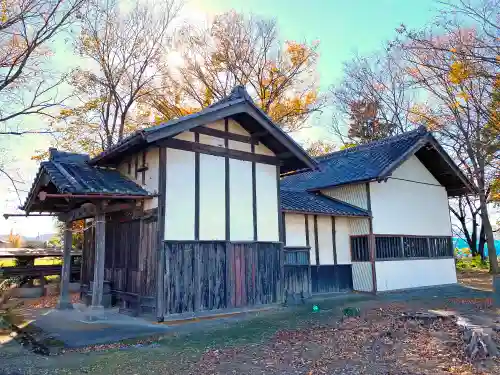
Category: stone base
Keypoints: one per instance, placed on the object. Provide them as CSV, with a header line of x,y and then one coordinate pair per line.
x,y
106,299
64,305
74,287
94,313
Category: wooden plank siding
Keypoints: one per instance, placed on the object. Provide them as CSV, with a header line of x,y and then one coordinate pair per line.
x,y
210,275
130,256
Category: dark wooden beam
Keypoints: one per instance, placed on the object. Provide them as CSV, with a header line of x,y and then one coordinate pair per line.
x,y
227,184
316,239
281,214
306,219
85,212
136,165
258,135
162,266
197,190
334,241
64,298
218,151
100,253
224,135
371,238
254,195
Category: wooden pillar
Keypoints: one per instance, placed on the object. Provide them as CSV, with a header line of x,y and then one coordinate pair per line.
x,y
371,239
64,298
162,266
100,245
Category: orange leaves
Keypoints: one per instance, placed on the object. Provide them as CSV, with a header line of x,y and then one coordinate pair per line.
x,y
459,72
421,114
297,52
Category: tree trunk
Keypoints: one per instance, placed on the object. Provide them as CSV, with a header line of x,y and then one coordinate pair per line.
x,y
488,232
482,242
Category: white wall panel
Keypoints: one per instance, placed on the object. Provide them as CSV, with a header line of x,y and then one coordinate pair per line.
x,y
186,136
312,241
362,279
179,215
151,175
267,202
295,230
404,207
213,141
219,125
236,128
240,146
403,274
342,240
359,225
263,150
212,198
354,194
241,207
325,240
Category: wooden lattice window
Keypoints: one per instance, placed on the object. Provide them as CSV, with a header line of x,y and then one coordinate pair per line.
x,y
388,247
360,251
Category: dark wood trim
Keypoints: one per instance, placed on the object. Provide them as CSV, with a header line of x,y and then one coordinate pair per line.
x,y
129,167
162,266
306,220
91,211
227,184
224,135
254,195
281,214
296,248
196,190
136,165
414,258
143,167
371,237
324,214
410,235
334,241
218,151
316,239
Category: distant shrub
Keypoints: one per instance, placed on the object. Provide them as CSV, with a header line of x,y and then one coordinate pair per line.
x,y
472,263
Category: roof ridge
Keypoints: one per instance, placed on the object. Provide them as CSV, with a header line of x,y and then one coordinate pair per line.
x,y
420,130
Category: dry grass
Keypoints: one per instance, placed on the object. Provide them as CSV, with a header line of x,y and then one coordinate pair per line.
x,y
477,279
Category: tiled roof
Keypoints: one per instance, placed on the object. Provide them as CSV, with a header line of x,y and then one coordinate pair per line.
x,y
303,201
81,178
361,163
71,174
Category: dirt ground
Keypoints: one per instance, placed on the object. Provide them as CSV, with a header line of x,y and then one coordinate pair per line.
x,y
478,279
292,341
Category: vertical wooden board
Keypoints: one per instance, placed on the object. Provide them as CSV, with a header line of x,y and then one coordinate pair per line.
x,y
197,251
248,275
243,250
219,275
206,280
237,275
212,276
230,267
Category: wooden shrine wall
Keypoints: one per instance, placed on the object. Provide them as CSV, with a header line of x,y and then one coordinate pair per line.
x,y
208,275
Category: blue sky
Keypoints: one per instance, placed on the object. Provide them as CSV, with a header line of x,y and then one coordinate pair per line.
x,y
342,28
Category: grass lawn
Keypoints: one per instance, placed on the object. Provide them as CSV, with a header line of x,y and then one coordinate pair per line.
x,y
476,278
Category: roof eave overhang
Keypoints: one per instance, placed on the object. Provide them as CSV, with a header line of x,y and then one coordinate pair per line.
x,y
115,151
309,212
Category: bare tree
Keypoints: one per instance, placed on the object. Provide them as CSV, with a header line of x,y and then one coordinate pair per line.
x,y
26,29
460,106
373,98
123,50
240,50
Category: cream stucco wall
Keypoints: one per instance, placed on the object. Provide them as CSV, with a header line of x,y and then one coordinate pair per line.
x,y
409,207
404,274
354,194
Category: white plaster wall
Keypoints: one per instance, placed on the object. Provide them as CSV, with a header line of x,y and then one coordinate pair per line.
x,y
219,125
312,241
325,240
212,141
186,136
179,208
263,150
151,178
295,230
342,240
404,274
354,194
240,206
267,202
362,276
359,226
403,207
212,198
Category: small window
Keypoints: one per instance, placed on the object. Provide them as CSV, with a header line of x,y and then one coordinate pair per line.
x,y
359,249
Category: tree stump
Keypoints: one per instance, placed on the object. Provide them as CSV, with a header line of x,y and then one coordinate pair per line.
x,y
478,340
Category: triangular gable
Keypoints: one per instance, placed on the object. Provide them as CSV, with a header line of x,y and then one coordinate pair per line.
x,y
238,106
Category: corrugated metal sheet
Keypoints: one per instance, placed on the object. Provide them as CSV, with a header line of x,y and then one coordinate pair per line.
x,y
362,276
359,226
354,194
